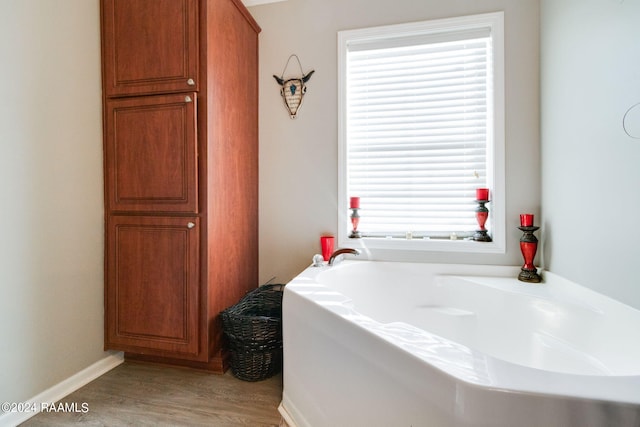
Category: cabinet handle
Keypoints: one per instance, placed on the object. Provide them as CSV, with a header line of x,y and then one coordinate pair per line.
x,y
187,98
191,82
190,225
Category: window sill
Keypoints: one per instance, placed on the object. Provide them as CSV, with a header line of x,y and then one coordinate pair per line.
x,y
426,245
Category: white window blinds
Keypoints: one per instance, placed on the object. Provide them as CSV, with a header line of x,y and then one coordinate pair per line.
x,y
418,125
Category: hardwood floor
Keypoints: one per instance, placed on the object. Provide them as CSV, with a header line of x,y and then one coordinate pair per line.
x,y
148,395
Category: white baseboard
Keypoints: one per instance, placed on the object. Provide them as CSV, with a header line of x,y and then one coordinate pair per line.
x,y
249,3
286,420
63,388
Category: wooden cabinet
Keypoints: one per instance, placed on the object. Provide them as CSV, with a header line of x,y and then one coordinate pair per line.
x,y
180,98
151,145
153,297
150,46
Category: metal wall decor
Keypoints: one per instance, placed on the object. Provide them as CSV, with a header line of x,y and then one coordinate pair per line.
x,y
293,89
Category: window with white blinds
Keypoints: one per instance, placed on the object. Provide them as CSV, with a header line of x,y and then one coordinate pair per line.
x,y
418,126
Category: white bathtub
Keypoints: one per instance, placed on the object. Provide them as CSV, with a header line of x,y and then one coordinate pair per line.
x,y
403,344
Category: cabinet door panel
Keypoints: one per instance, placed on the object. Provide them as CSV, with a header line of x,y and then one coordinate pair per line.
x,y
151,154
152,295
150,46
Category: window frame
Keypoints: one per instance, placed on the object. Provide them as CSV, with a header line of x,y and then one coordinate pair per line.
x,y
495,148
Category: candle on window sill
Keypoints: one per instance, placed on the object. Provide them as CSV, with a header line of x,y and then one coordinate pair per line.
x,y
354,203
526,220
482,194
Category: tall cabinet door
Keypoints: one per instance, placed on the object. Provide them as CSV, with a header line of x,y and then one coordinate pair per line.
x,y
151,154
149,46
152,293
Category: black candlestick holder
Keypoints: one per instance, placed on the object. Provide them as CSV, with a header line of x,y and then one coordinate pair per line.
x,y
355,219
529,247
482,213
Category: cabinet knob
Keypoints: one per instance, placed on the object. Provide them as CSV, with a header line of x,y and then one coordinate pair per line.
x,y
190,225
187,98
191,82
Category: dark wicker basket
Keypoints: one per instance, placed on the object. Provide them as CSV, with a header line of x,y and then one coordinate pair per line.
x,y
255,365
254,329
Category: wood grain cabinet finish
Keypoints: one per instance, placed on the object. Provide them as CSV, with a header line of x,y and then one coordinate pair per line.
x,y
151,147
180,103
153,297
150,46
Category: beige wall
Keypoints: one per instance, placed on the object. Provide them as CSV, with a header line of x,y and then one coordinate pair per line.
x,y
298,163
50,193
591,168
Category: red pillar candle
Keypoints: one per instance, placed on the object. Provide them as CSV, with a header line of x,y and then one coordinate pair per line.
x,y
354,203
482,194
526,220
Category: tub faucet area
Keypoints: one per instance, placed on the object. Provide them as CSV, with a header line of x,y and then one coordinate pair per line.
x,y
339,252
